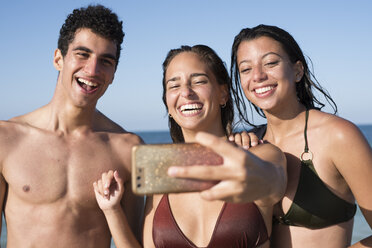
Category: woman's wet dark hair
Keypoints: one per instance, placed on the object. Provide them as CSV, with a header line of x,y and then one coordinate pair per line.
x,y
304,87
218,68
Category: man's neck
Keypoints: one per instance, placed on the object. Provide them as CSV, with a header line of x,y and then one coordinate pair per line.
x,y
66,118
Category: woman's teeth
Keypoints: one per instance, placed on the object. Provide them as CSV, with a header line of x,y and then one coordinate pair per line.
x,y
263,89
191,107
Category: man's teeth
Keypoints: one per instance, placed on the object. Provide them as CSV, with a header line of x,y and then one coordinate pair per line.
x,y
191,107
89,83
263,89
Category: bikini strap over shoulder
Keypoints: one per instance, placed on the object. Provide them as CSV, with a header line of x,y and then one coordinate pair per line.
x,y
306,149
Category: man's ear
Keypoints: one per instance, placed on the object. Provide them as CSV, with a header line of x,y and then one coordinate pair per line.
x,y
299,71
58,60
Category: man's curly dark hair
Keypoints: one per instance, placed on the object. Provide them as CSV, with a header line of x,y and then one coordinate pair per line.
x,y
99,19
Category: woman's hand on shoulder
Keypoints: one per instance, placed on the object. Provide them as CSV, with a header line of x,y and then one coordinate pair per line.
x,y
245,139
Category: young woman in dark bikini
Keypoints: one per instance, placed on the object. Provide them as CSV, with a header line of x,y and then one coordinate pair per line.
x,y
329,162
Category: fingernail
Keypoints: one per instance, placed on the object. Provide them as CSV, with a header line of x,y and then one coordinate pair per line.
x,y
172,171
246,147
106,192
106,185
254,143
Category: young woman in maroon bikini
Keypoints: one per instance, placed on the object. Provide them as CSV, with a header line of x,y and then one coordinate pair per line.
x,y
236,212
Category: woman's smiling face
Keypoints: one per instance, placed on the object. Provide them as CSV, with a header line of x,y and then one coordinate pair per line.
x,y
193,96
268,78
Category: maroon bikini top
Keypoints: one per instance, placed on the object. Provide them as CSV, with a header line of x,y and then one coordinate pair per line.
x,y
238,225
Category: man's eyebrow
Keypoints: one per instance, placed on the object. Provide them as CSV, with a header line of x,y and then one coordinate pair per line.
x,y
109,56
82,48
85,49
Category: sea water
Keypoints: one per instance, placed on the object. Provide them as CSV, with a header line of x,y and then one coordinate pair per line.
x,y
361,228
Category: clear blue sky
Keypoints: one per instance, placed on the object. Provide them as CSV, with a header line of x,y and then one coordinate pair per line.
x,y
336,35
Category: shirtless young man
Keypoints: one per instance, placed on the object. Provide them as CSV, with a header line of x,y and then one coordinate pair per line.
x,y
50,157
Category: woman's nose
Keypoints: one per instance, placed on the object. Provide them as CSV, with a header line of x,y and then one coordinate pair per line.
x,y
186,91
259,74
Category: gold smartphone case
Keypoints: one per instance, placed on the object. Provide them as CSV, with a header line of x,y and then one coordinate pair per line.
x,y
150,164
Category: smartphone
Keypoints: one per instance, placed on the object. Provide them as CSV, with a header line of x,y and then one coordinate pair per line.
x,y
150,164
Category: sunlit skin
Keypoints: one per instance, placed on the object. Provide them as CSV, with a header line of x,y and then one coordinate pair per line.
x,y
50,157
194,98
268,79
189,81
91,59
267,75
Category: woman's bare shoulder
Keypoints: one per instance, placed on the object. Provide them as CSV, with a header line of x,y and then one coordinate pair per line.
x,y
336,128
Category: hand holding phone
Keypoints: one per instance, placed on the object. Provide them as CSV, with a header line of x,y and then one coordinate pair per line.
x,y
150,164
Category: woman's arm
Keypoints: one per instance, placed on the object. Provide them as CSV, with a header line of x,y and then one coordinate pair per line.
x,y
258,175
109,191
352,156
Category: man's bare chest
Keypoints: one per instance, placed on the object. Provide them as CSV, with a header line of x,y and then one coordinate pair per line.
x,y
46,169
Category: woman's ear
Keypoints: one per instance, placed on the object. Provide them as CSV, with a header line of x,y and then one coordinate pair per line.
x,y
58,60
299,71
224,94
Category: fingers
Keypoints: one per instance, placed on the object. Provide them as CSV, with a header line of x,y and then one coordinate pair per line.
x,y
218,145
238,139
107,178
232,137
254,140
201,172
215,193
245,139
109,182
118,180
223,191
98,188
229,153
242,139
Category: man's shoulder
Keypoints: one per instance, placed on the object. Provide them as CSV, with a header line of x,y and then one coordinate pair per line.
x,y
102,123
127,138
11,134
11,127
118,135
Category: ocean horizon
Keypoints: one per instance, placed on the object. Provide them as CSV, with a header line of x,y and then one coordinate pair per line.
x,y
361,227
